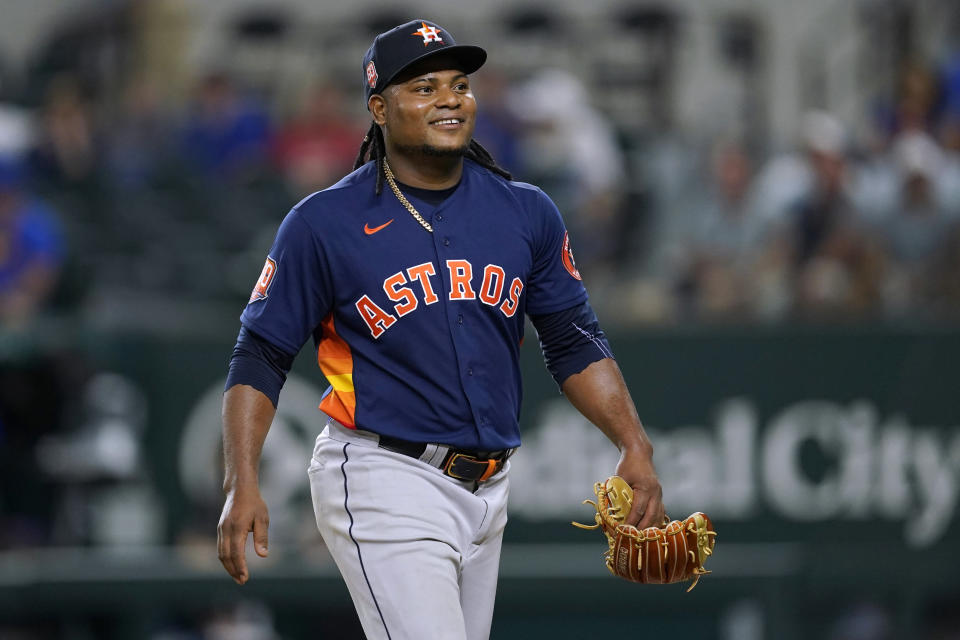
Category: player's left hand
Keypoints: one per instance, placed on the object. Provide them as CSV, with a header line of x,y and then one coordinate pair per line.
x,y
636,467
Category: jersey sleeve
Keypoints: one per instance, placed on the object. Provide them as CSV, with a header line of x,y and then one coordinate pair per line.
x,y
294,292
555,283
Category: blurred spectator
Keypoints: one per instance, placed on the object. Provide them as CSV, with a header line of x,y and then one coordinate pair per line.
x,y
915,104
569,149
498,129
319,144
724,241
917,99
16,130
824,209
66,152
139,146
951,85
948,178
784,180
30,248
873,184
917,231
834,263
226,134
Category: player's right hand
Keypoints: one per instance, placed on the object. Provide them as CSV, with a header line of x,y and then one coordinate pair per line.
x,y
244,511
636,467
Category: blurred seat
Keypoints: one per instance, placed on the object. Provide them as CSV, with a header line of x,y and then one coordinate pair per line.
x,y
258,43
633,65
532,39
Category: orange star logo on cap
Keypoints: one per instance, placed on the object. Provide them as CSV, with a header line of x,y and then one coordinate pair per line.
x,y
429,34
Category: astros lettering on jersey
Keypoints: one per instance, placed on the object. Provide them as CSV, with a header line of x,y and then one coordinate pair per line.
x,y
360,274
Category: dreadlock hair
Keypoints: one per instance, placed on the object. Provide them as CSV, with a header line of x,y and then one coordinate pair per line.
x,y
373,147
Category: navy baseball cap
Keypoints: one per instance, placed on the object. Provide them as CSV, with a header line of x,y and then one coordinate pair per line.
x,y
396,49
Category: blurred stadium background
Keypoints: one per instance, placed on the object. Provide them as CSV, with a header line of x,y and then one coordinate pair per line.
x,y
764,198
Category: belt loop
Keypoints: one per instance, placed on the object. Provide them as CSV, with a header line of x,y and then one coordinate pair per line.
x,y
428,452
435,454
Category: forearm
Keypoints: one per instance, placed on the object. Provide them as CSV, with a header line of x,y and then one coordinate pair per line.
x,y
247,415
600,394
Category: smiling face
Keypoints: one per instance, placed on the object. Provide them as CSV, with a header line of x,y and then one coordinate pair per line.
x,y
428,110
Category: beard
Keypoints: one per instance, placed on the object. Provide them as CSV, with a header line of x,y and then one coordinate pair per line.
x,y
434,152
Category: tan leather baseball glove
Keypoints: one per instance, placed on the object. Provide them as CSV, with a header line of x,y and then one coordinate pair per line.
x,y
656,555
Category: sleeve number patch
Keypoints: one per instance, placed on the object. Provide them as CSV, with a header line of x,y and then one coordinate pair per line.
x,y
262,287
567,257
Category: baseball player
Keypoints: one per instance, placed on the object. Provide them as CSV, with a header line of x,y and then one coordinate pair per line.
x,y
413,275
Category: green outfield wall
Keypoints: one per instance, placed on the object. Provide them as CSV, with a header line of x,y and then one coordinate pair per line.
x,y
829,459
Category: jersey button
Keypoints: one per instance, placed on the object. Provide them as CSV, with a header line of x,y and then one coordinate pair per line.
x,y
459,318
439,216
446,242
469,372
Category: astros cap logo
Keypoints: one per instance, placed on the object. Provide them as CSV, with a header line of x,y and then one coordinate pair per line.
x,y
371,74
430,34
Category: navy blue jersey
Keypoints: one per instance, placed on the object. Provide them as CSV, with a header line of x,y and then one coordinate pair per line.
x,y
418,333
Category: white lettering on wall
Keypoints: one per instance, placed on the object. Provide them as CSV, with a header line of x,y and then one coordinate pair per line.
x,y
873,469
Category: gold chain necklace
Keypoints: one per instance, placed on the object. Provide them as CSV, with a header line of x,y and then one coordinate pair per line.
x,y
403,200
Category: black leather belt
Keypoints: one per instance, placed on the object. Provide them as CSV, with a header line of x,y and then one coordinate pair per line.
x,y
473,466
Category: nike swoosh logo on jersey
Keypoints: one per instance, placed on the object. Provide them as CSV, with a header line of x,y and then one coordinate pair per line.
x,y
367,230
